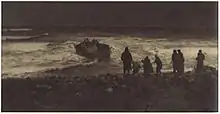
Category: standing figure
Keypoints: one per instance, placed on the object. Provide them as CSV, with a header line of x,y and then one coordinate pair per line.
x,y
200,61
95,42
180,62
159,65
148,68
174,61
136,67
86,41
127,60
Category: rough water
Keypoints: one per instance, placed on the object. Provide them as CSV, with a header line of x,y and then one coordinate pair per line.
x,y
22,57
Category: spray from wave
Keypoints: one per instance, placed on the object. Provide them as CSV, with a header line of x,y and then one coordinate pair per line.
x,y
19,58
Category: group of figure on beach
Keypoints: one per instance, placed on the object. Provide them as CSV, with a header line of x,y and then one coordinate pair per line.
x,y
177,63
177,60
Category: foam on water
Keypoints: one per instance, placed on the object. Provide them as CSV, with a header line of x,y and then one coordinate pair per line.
x,y
30,57
19,58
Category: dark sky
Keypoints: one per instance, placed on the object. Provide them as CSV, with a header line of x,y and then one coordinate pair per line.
x,y
110,14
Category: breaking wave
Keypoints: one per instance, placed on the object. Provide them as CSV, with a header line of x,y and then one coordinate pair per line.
x,y
19,58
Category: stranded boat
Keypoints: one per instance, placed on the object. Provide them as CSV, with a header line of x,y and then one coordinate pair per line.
x,y
94,49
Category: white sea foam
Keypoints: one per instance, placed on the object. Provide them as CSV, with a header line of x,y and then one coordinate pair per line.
x,y
19,58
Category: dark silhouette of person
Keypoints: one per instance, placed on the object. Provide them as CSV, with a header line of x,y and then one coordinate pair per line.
x,y
86,40
85,43
174,61
127,60
148,68
180,62
158,65
94,41
200,61
136,67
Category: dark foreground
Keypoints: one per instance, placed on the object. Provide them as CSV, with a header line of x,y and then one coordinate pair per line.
x,y
112,93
